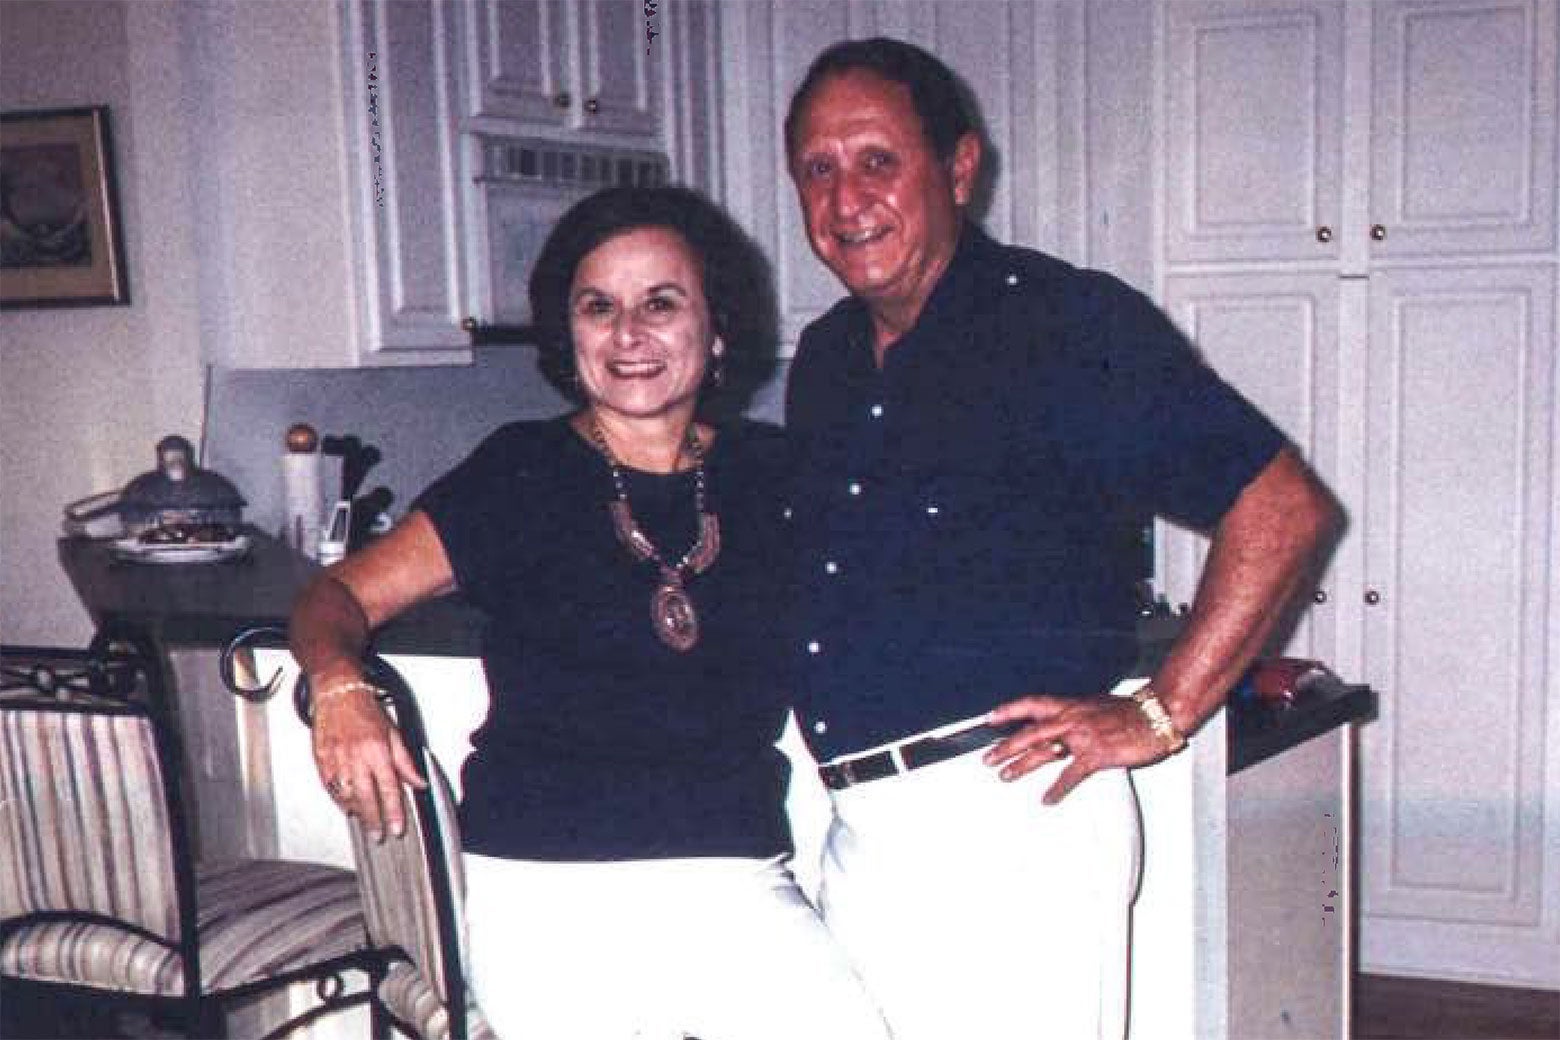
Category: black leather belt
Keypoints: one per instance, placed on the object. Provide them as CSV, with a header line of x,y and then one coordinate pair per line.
x,y
923,751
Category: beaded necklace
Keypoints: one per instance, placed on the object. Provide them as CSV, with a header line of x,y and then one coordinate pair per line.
x,y
672,613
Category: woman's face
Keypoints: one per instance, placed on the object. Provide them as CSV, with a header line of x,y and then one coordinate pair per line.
x,y
641,326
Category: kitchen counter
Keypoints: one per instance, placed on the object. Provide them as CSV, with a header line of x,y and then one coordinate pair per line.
x,y
206,604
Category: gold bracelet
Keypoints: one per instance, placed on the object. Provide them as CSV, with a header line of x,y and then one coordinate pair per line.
x,y
1159,719
346,687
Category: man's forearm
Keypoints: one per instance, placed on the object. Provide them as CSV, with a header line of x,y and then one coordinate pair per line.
x,y
1262,552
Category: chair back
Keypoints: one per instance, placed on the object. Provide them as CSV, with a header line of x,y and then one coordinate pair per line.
x,y
86,824
413,886
402,895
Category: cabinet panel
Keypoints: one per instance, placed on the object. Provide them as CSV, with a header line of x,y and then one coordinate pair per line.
x,y
517,55
1275,337
584,66
1253,130
408,202
1458,514
616,72
1463,127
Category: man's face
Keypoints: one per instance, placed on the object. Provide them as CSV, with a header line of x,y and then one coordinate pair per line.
x,y
882,212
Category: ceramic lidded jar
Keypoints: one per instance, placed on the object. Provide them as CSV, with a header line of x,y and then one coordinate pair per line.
x,y
178,492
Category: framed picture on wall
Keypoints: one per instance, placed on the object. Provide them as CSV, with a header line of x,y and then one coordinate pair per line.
x,y
60,239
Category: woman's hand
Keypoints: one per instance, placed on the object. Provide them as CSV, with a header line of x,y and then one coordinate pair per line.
x,y
361,758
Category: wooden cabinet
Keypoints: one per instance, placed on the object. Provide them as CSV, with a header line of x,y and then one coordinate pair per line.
x,y
1346,133
399,71
1360,233
331,220
584,67
561,99
346,224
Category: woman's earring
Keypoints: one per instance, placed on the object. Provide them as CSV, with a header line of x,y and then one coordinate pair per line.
x,y
718,364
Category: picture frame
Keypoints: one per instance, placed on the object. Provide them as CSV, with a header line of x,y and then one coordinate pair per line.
x,y
61,244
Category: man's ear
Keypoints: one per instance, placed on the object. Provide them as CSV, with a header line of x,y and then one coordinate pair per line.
x,y
964,167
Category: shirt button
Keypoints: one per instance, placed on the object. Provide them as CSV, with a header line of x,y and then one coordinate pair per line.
x,y
853,487
786,513
813,646
831,567
932,509
820,726
877,411
1012,279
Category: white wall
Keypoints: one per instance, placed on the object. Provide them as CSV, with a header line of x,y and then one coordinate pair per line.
x,y
85,393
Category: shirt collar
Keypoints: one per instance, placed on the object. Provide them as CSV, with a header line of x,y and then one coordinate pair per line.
x,y
947,309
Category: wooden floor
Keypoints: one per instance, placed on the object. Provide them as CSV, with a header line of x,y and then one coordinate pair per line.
x,y
1390,1008
1385,1008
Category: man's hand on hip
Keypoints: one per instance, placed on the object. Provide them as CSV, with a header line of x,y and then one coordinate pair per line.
x,y
1097,732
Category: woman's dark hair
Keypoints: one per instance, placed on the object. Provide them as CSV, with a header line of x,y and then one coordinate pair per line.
x,y
736,282
936,94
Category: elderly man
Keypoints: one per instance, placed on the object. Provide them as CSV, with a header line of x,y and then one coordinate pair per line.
x,y
986,431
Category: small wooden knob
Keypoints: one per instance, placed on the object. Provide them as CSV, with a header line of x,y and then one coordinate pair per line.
x,y
302,438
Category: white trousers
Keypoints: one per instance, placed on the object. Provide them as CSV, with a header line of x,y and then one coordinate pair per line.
x,y
971,910
720,949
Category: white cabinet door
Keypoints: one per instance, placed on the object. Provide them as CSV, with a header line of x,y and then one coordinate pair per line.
x,y
1459,521
1253,129
618,78
583,67
398,66
1276,338
516,54
1462,127
1449,103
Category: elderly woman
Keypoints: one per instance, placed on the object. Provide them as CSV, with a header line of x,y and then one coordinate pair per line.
x,y
626,847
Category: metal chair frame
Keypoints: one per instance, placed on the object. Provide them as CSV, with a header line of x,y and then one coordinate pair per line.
x,y
396,696
122,677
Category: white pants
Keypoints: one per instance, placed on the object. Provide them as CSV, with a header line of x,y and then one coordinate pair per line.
x,y
972,911
721,949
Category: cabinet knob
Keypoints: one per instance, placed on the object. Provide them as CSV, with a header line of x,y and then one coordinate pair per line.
x,y
1319,596
1324,234
593,105
1378,232
1372,597
563,99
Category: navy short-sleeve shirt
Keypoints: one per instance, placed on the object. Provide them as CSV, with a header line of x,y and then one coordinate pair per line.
x,y
601,742
971,516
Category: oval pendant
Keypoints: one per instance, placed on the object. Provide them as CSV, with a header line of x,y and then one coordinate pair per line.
x,y
673,617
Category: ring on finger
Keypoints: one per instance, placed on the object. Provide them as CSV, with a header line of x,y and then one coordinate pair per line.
x,y
1059,749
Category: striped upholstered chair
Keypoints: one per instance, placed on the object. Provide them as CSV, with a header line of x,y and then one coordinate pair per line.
x,y
413,890
99,890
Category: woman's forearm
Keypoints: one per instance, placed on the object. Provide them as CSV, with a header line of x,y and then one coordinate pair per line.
x,y
328,632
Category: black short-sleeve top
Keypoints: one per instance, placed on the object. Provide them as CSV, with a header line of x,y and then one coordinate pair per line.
x,y
601,742
971,516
